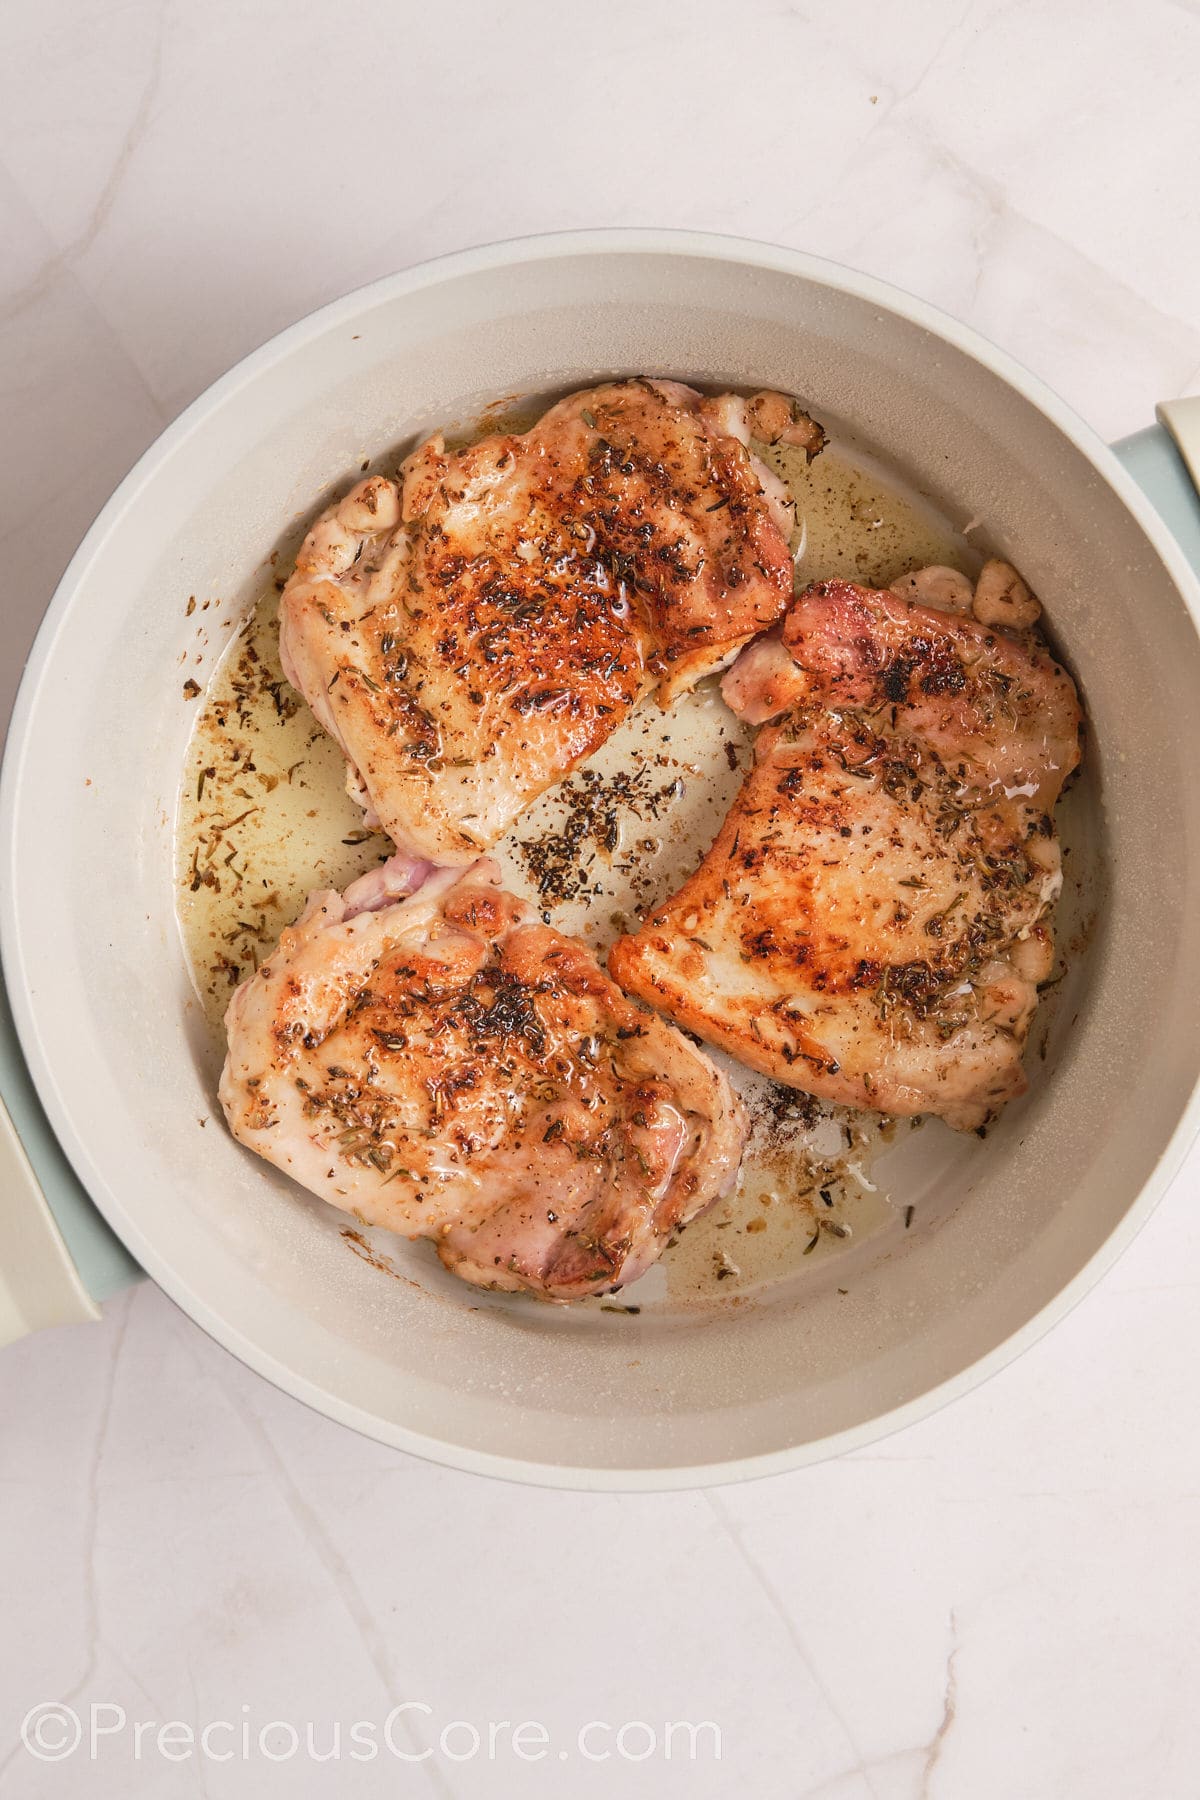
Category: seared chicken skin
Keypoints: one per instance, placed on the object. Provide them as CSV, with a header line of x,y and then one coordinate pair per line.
x,y
871,923
470,635
437,1063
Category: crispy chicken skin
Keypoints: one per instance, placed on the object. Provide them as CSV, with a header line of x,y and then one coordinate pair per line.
x,y
871,923
437,1063
472,633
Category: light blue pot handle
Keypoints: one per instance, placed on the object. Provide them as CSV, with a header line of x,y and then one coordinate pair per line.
x,y
58,1258
1164,460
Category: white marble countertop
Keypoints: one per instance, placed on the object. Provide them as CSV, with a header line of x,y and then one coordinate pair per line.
x,y
1001,1601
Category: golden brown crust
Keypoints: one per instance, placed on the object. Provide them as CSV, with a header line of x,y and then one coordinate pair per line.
x,y
447,1068
870,924
537,586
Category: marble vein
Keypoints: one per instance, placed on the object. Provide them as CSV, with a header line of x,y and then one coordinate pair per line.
x,y
131,141
341,1578
949,1712
758,1573
90,1526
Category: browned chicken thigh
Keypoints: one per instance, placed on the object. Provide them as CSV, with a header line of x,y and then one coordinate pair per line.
x,y
871,923
472,634
437,1063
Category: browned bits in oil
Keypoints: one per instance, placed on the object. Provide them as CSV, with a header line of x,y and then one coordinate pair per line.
x,y
560,863
254,748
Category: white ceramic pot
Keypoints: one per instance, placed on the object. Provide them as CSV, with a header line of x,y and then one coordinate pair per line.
x,y
112,1033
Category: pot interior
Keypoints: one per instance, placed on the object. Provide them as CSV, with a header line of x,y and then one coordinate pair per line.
x,y
117,1034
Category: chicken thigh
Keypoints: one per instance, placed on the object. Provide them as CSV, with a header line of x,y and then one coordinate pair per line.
x,y
420,1053
871,923
469,635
